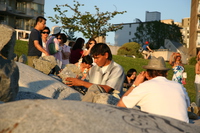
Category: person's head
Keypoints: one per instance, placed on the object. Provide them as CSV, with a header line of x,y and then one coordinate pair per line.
x,y
45,32
131,73
55,30
40,23
78,44
156,67
87,61
62,38
90,42
177,57
101,54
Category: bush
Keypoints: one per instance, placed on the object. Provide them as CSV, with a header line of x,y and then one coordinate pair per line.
x,y
131,48
192,61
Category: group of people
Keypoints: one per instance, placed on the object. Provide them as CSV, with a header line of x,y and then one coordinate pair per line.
x,y
45,42
150,89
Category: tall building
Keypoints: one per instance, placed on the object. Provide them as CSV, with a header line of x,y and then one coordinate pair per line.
x,y
194,38
152,16
20,14
185,30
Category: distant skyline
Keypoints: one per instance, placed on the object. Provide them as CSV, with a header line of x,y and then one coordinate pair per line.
x,y
169,9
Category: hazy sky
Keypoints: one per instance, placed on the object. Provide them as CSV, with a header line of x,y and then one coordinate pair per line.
x,y
170,9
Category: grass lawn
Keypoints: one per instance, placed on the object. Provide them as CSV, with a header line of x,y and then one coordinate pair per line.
x,y
21,47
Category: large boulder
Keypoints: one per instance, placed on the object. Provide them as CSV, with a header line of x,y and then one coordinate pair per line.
x,y
41,85
63,116
9,77
7,41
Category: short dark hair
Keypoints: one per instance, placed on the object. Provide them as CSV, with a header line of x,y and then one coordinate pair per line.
x,y
155,73
88,43
101,49
87,59
63,37
39,19
130,72
46,28
78,44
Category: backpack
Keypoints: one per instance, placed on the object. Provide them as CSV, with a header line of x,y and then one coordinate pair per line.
x,y
52,48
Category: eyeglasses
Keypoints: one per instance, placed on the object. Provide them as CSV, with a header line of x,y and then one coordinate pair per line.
x,y
45,32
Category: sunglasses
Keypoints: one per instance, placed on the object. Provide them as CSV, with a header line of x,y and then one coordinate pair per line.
x,y
45,32
59,38
90,43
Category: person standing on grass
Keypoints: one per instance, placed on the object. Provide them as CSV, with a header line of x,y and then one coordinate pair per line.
x,y
197,80
157,95
35,48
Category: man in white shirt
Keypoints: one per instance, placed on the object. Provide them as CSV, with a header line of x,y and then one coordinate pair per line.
x,y
157,95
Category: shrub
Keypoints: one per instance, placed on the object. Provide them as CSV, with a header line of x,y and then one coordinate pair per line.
x,y
131,48
192,61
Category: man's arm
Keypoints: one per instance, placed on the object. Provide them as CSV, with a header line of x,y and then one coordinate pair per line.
x,y
37,45
79,82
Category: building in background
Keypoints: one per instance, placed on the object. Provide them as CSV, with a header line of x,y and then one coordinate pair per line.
x,y
194,38
126,34
21,14
185,31
152,16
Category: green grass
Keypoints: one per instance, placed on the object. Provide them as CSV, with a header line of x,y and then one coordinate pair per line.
x,y
137,63
21,47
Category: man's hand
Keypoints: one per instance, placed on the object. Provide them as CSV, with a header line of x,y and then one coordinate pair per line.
x,y
73,81
140,78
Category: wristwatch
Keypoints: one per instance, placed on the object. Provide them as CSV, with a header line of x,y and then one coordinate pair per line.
x,y
133,85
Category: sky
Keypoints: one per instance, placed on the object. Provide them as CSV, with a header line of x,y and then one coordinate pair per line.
x,y
169,9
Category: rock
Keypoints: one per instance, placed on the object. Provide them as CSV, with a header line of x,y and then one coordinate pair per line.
x,y
7,41
32,80
62,116
70,70
105,98
45,64
9,77
23,58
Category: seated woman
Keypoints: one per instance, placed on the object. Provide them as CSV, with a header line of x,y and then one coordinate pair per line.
x,y
129,79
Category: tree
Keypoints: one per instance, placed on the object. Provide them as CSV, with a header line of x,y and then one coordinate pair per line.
x,y
156,32
90,25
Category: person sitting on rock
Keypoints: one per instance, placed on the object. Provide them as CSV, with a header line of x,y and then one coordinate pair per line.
x,y
105,77
157,95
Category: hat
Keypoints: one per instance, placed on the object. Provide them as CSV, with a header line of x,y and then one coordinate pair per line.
x,y
55,30
147,42
156,64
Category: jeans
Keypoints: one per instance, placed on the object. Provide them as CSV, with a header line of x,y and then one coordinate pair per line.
x,y
197,86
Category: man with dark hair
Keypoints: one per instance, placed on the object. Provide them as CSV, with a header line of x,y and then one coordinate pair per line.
x,y
158,95
105,77
35,48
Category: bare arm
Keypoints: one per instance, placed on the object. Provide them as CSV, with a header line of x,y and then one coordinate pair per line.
x,y
79,82
171,59
37,45
149,49
140,78
197,68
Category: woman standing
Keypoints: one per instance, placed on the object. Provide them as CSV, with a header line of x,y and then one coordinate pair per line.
x,y
197,80
65,50
91,42
178,68
45,34
77,51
